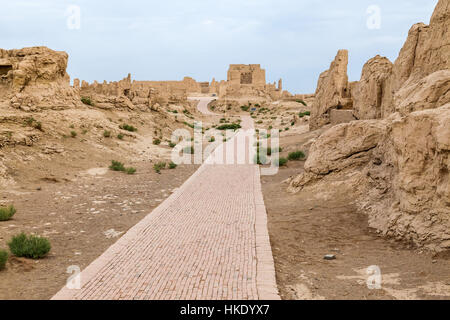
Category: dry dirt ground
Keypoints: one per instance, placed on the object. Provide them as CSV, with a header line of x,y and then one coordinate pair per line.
x,y
82,218
303,229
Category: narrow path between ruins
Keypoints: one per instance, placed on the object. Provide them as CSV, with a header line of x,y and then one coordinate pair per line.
x,y
208,240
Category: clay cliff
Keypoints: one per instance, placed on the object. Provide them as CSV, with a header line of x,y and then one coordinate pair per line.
x,y
35,78
395,158
333,91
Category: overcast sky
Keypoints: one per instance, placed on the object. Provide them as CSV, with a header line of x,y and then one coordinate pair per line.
x,y
166,40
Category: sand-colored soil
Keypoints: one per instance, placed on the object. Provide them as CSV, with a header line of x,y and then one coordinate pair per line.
x,y
303,228
81,218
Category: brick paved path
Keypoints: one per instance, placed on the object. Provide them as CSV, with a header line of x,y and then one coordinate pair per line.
x,y
208,240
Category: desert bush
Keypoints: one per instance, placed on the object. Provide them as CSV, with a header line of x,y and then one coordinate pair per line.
x,y
282,162
260,158
6,213
33,123
73,134
87,100
229,126
301,101
245,108
156,142
212,139
296,155
3,258
172,145
128,127
172,165
120,136
31,246
188,150
107,134
302,114
117,166
159,166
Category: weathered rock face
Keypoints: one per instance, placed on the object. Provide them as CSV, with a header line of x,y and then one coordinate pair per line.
x,y
35,78
344,146
397,166
368,92
33,66
428,93
427,50
409,194
333,91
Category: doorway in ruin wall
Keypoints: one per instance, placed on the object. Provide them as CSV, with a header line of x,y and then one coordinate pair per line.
x,y
246,78
4,69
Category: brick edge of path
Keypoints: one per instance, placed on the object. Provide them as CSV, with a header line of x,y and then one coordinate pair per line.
x,y
265,268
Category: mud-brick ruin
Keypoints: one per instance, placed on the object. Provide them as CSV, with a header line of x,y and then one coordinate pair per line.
x,y
242,81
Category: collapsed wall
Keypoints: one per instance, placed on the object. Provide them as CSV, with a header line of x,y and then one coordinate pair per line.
x,y
35,78
248,81
396,152
333,92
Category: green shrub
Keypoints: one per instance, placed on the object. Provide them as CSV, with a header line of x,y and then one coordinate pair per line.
x,y
229,126
282,162
302,114
87,100
156,142
117,166
188,124
260,158
172,145
245,108
3,258
128,128
6,213
212,139
159,166
73,134
172,165
188,150
33,123
297,155
107,134
301,101
120,136
31,246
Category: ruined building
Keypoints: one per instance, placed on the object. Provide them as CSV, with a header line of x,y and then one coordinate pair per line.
x,y
248,80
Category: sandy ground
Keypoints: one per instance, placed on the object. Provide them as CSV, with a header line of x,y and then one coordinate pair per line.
x,y
82,219
303,229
